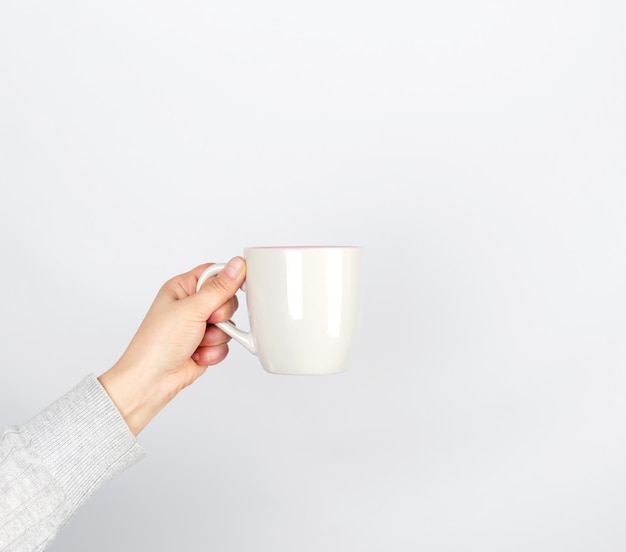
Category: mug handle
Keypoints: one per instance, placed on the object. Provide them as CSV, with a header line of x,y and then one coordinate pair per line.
x,y
245,338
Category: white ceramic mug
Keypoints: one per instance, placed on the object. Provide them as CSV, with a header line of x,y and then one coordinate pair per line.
x,y
303,304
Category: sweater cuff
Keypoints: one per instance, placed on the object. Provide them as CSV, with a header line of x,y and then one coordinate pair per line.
x,y
83,441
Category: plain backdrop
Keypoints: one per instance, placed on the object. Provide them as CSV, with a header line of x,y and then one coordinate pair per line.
x,y
476,150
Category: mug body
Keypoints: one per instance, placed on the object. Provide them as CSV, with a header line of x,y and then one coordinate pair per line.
x,y
304,306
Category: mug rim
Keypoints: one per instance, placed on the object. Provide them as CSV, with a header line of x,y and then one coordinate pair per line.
x,y
284,247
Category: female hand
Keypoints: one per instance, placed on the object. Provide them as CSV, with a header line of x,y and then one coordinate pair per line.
x,y
175,343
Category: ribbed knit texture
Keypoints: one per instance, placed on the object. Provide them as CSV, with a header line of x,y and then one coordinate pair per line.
x,y
52,464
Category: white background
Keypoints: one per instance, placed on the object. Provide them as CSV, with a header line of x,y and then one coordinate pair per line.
x,y
477,150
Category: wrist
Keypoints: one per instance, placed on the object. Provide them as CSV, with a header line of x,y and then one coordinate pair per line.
x,y
138,397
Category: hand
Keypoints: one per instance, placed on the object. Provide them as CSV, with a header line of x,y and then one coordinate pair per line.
x,y
174,344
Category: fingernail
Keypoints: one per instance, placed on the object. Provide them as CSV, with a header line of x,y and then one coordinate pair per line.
x,y
234,267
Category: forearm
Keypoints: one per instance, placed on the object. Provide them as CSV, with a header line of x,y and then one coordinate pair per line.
x,y
52,464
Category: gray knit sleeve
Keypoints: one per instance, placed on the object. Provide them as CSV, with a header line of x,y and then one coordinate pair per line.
x,y
53,463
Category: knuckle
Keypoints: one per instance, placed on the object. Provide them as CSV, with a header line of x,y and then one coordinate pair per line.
x,y
222,286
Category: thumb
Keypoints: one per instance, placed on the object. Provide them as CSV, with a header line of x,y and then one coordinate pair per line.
x,y
220,288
